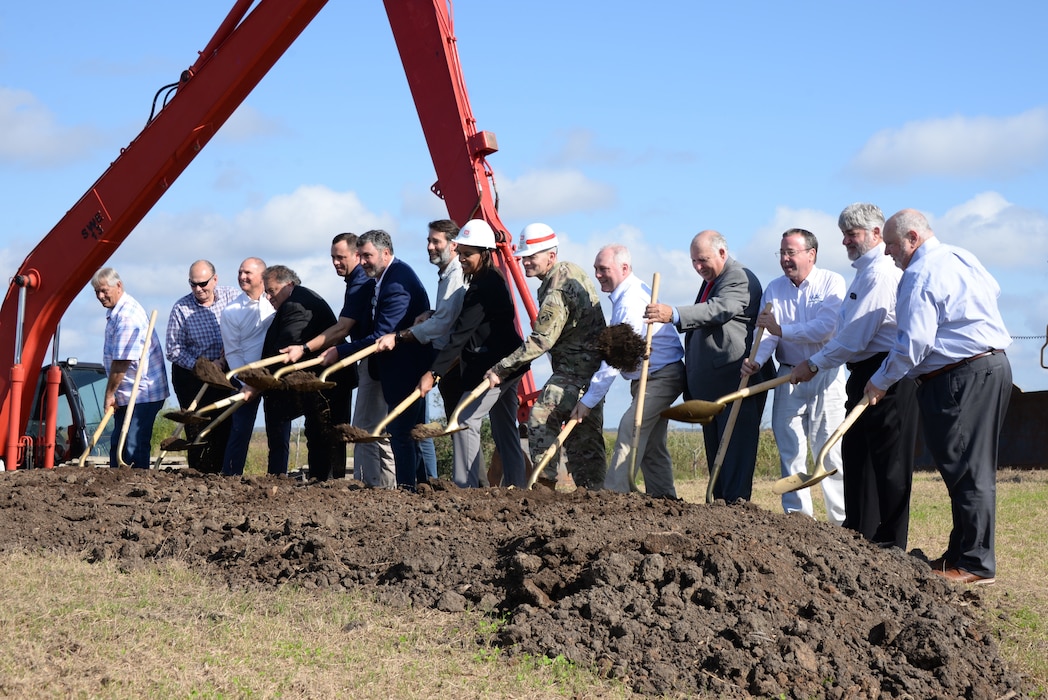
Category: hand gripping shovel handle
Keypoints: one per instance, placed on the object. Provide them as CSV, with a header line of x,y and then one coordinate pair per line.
x,y
347,361
98,434
551,450
143,363
722,449
642,388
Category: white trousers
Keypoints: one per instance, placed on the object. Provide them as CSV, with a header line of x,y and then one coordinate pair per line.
x,y
372,461
806,415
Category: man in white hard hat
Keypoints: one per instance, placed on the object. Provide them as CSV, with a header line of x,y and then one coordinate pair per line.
x,y
568,323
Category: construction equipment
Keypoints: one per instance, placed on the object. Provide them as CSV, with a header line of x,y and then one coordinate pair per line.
x,y
251,39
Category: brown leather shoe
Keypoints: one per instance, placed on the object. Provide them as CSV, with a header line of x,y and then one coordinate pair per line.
x,y
955,575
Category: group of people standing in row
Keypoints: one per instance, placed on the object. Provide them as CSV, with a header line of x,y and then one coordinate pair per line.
x,y
918,329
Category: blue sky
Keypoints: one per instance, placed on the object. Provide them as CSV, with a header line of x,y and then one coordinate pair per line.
x,y
636,123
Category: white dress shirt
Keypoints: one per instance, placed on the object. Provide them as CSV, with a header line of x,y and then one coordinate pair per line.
x,y
806,312
866,325
629,300
244,325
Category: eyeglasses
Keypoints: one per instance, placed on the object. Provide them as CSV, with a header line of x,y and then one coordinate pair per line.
x,y
790,253
201,285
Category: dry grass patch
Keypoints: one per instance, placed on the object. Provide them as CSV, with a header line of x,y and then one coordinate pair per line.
x,y
92,630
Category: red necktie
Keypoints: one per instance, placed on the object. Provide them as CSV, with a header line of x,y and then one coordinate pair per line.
x,y
704,293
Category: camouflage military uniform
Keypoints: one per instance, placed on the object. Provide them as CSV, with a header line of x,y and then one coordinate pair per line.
x,y
569,321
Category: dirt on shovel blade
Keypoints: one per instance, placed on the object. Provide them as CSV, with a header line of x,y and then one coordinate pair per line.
x,y
350,433
174,444
185,417
210,373
427,430
621,347
304,381
261,379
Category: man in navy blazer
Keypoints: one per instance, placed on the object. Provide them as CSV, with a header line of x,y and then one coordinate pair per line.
x,y
719,331
399,299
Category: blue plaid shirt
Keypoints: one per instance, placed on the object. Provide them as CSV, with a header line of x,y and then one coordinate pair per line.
x,y
126,325
193,330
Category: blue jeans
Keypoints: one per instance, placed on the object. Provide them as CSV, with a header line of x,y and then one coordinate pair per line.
x,y
139,434
406,450
429,452
243,426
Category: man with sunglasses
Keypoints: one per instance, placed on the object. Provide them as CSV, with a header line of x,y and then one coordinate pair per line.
x,y
194,331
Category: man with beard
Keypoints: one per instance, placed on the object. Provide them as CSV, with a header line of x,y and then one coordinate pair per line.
x,y
434,326
878,450
399,299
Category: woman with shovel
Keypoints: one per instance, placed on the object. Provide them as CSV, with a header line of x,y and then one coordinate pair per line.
x,y
483,334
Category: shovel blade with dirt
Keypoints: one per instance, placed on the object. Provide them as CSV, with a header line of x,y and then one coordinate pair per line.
x,y
436,429
351,433
307,381
796,482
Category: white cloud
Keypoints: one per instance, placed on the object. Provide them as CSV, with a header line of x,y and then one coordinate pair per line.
x,y
957,146
550,193
1003,235
248,123
31,137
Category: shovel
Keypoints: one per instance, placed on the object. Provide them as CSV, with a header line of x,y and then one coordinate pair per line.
x,y
435,429
696,411
796,482
551,451
309,382
642,387
351,433
143,363
98,434
176,437
722,449
174,444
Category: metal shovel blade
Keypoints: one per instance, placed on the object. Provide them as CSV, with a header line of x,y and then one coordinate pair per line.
x,y
186,417
694,411
304,381
796,482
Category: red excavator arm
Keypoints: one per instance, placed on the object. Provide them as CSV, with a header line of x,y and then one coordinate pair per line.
x,y
249,42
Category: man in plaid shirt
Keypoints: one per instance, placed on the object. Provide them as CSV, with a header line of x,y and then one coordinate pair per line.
x,y
126,324
193,331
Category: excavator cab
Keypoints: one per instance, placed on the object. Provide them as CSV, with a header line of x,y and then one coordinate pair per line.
x,y
81,405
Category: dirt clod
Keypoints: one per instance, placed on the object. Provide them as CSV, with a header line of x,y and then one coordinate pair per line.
x,y
670,597
621,347
208,372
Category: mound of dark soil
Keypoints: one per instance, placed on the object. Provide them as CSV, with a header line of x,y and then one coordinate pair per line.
x,y
671,597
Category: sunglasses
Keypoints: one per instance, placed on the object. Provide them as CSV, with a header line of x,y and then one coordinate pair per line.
x,y
201,285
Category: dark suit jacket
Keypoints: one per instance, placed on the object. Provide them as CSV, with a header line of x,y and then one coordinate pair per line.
x,y
484,332
302,316
720,332
401,298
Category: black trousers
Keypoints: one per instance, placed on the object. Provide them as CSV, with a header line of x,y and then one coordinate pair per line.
x,y
962,412
878,455
207,458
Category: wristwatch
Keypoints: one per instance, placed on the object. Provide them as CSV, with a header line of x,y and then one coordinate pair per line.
x,y
812,367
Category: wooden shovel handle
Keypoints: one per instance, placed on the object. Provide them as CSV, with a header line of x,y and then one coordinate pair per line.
x,y
755,389
400,408
98,434
298,365
642,388
552,450
849,420
258,364
143,365
722,449
347,361
466,401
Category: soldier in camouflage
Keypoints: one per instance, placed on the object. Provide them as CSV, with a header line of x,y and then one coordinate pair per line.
x,y
569,321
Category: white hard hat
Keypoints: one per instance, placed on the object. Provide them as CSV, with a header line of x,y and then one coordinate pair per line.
x,y
536,238
476,233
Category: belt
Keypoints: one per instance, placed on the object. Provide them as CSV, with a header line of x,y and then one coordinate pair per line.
x,y
968,360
